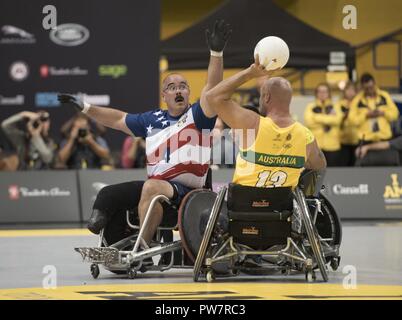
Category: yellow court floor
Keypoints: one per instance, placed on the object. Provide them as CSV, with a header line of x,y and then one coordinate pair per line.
x,y
203,291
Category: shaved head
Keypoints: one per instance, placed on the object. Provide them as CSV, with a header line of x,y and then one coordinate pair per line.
x,y
276,94
173,77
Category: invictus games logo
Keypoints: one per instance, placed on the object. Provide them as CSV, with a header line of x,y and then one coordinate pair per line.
x,y
393,194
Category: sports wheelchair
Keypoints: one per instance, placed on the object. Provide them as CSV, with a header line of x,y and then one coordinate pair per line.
x,y
216,239
269,229
132,255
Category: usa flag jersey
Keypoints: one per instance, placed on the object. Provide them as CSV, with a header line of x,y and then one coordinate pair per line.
x,y
178,148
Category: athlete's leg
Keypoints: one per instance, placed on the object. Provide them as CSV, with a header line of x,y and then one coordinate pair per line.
x,y
151,189
114,200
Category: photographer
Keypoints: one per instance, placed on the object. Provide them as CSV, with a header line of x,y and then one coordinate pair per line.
x,y
82,149
28,132
8,155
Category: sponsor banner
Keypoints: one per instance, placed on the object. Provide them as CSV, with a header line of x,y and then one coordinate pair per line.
x,y
40,196
53,196
355,193
17,100
92,181
85,52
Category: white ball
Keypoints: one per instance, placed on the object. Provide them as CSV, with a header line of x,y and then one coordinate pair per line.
x,y
273,52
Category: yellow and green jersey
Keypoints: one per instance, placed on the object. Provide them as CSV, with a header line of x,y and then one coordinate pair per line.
x,y
276,158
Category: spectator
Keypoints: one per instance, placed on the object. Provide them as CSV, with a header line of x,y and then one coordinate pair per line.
x,y
348,134
373,110
82,149
8,155
382,152
324,118
133,153
29,135
100,130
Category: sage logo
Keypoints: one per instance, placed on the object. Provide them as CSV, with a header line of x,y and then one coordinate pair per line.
x,y
114,71
69,35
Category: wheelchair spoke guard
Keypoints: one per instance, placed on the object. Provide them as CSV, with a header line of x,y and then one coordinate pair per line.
x,y
213,218
312,233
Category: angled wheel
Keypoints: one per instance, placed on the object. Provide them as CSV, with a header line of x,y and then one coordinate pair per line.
x,y
94,270
213,218
132,273
312,233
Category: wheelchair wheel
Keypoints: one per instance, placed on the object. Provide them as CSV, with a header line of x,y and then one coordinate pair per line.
x,y
208,233
312,233
332,219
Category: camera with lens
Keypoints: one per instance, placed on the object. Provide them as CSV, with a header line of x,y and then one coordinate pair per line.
x,y
82,132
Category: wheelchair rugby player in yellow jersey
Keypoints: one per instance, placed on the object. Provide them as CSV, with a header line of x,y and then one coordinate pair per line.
x,y
275,218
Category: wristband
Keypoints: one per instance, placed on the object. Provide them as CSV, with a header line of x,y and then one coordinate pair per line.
x,y
216,53
87,106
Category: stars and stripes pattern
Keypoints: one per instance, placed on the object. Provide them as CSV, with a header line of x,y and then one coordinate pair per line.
x,y
176,150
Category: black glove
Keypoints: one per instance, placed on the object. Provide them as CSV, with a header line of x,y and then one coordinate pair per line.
x,y
217,39
68,98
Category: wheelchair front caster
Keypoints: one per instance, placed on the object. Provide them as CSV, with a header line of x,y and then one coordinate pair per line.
x,y
210,276
95,270
310,276
335,263
132,273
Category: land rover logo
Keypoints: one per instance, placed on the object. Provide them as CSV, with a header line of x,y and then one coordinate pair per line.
x,y
69,35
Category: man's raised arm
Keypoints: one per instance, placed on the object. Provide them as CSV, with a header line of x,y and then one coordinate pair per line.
x,y
109,117
219,98
216,42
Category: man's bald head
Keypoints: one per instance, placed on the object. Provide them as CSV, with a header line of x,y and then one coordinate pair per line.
x,y
276,94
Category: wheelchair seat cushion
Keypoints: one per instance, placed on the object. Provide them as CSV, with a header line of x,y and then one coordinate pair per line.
x,y
253,199
194,213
